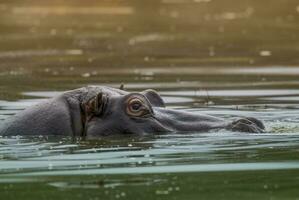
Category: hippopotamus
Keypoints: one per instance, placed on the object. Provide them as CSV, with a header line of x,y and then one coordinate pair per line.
x,y
96,111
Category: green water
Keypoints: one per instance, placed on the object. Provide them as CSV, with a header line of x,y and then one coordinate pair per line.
x,y
223,58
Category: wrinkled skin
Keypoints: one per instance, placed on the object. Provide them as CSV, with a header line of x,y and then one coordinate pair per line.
x,y
99,111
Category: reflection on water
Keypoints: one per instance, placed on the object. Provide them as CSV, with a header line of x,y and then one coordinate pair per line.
x,y
157,165
223,58
161,154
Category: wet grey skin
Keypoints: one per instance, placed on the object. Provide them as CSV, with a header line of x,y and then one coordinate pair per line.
x,y
96,111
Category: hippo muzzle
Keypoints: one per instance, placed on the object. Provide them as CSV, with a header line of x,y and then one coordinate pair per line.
x,y
99,111
181,121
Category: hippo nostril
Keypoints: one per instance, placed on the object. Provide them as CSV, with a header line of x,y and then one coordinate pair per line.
x,y
256,122
249,124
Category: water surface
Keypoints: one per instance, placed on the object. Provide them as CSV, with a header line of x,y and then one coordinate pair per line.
x,y
223,58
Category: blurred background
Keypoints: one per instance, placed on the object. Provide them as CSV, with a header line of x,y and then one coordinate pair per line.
x,y
163,44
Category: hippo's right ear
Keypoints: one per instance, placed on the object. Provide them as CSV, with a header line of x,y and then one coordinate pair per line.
x,y
154,98
95,105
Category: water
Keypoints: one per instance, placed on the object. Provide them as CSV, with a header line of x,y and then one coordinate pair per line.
x,y
214,57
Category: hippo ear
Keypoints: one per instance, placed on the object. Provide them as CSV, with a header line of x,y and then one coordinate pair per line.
x,y
95,105
154,98
122,86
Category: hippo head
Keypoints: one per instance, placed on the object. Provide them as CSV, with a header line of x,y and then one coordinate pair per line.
x,y
111,111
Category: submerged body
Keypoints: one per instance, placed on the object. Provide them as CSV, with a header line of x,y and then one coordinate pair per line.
x,y
98,111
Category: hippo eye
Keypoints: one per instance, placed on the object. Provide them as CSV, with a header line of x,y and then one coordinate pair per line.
x,y
137,108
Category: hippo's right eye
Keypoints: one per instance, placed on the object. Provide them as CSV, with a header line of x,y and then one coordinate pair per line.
x,y
137,108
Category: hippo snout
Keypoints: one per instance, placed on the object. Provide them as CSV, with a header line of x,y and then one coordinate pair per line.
x,y
248,124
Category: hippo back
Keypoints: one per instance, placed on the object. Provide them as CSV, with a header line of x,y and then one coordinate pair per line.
x,y
49,117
